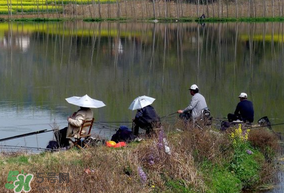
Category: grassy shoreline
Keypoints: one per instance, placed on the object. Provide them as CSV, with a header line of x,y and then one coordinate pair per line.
x,y
34,18
198,161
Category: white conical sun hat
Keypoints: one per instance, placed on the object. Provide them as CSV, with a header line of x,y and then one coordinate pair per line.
x,y
85,101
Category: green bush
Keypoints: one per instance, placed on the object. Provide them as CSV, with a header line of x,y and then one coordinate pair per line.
x,y
219,179
224,181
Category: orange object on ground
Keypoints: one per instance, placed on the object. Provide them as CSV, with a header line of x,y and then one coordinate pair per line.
x,y
110,143
120,144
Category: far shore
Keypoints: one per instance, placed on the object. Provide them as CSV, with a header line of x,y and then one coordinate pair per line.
x,y
162,10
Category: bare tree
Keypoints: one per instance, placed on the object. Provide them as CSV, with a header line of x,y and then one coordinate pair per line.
x,y
237,9
227,7
133,9
62,4
207,8
219,8
213,13
249,9
254,8
118,9
22,11
177,8
37,8
197,8
280,8
100,15
264,8
154,9
272,8
282,4
166,8
8,4
222,9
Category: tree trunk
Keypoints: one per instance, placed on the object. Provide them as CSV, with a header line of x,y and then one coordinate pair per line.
x,y
237,9
222,9
213,13
264,8
198,8
166,9
100,15
227,7
249,9
280,10
177,9
273,8
219,8
254,8
154,9
207,9
118,9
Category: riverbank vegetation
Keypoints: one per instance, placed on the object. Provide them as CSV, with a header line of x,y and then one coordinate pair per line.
x,y
180,160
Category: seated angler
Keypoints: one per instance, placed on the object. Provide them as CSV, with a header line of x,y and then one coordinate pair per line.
x,y
196,107
244,110
146,117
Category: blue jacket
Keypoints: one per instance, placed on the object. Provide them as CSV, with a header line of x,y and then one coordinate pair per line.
x,y
245,110
146,115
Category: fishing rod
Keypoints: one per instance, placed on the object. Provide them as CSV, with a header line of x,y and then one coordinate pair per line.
x,y
268,125
169,115
26,134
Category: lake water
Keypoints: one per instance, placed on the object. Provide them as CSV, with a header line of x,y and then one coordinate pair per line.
x,y
43,63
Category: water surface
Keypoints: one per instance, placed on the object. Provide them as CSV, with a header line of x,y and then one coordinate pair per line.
x,y
43,63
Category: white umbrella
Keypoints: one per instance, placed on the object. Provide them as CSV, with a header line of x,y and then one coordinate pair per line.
x,y
140,102
85,101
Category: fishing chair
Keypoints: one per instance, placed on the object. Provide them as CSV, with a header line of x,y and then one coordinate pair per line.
x,y
205,119
83,133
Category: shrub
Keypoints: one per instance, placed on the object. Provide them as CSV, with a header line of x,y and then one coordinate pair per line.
x,y
225,181
266,141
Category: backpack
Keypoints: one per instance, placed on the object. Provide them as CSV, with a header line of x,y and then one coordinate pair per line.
x,y
123,134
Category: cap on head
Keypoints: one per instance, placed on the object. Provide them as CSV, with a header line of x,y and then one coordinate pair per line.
x,y
243,95
193,87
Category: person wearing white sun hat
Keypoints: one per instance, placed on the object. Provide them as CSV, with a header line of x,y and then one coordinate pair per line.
x,y
196,106
146,116
77,118
244,110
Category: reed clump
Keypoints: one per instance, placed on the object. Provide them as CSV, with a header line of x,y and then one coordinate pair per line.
x,y
185,159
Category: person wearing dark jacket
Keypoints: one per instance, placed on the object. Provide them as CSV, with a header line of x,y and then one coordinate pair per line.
x,y
244,110
146,118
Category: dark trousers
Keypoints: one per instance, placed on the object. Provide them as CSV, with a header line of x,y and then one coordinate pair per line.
x,y
233,117
137,125
146,126
186,116
60,137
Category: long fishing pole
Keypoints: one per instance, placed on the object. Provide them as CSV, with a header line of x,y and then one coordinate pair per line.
x,y
169,115
26,134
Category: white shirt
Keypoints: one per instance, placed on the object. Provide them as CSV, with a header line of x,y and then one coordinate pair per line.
x,y
197,104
